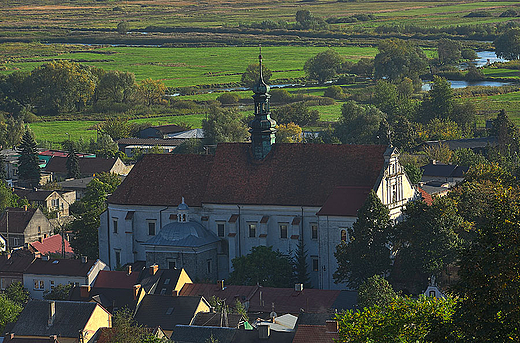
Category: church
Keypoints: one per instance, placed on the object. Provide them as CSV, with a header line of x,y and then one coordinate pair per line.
x,y
198,212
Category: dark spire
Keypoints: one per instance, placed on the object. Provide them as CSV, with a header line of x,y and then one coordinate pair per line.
x,y
262,127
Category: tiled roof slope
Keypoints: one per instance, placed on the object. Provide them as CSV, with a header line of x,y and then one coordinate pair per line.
x,y
345,201
32,195
87,165
427,198
315,334
51,245
116,279
60,267
18,219
162,179
286,300
292,174
71,316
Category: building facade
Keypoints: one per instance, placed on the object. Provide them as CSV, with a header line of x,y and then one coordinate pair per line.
x,y
251,194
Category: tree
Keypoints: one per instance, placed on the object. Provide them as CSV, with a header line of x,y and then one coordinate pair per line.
x,y
115,127
289,133
301,274
367,252
16,293
3,168
298,113
59,292
87,211
228,98
9,311
398,59
449,51
252,74
439,101
427,241
61,86
115,86
334,92
507,45
125,329
358,124
324,66
15,129
489,283
8,198
263,266
401,320
224,125
73,165
375,291
28,165
414,172
104,146
152,91
123,27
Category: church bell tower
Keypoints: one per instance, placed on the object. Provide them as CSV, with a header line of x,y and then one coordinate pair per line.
x,y
262,127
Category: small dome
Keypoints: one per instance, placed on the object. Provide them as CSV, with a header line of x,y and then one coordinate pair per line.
x,y
185,234
183,206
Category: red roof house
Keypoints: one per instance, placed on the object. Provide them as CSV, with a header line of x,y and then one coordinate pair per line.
x,y
52,245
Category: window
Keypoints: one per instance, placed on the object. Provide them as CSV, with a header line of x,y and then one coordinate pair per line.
x,y
431,294
314,231
39,285
171,264
167,281
151,228
343,235
163,291
252,229
221,229
51,284
169,311
209,266
315,264
39,229
118,257
114,224
283,230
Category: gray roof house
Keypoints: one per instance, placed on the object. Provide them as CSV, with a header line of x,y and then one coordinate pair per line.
x,y
71,321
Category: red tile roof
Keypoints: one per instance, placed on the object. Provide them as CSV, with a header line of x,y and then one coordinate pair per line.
x,y
286,300
314,334
87,165
344,201
163,179
18,219
425,196
62,267
52,245
292,174
116,279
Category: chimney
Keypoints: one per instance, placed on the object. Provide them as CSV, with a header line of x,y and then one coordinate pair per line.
x,y
128,270
84,291
52,313
53,338
174,293
84,259
153,269
331,325
136,289
220,284
8,255
264,331
45,258
25,207
11,335
298,287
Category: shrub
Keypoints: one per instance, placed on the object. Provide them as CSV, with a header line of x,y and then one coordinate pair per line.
x,y
281,95
479,14
228,98
469,54
509,13
334,92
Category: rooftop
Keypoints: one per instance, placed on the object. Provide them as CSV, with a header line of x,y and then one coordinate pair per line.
x,y
52,245
18,218
116,279
87,165
68,267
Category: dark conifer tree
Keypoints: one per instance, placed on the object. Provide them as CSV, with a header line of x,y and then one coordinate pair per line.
x,y
301,274
366,253
28,166
3,171
73,165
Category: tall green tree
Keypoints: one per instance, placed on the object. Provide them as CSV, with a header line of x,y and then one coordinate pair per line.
x,y
375,291
87,211
298,113
301,267
359,124
427,241
224,125
367,252
17,293
449,51
28,166
439,101
3,168
324,66
115,86
264,266
73,164
252,74
9,311
507,45
398,59
489,273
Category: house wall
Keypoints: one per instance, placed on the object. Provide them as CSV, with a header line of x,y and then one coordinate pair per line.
x,y
37,293
100,318
94,271
38,227
183,279
120,168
